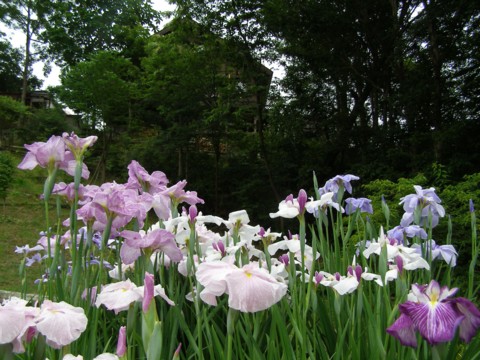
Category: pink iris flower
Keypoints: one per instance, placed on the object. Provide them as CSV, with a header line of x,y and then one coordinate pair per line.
x,y
435,315
120,295
139,178
13,321
60,323
78,145
178,195
116,202
51,154
155,240
249,289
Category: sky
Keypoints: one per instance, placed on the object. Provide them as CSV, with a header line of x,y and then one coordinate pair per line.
x,y
18,40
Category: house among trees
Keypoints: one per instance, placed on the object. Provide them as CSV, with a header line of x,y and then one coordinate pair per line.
x,y
38,99
40,116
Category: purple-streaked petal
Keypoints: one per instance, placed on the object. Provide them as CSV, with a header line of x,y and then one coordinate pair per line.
x,y
471,321
404,330
436,321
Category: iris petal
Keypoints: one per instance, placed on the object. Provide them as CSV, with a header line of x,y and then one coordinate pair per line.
x,y
404,330
471,322
436,321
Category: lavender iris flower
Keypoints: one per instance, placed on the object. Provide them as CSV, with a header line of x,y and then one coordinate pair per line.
x,y
334,184
431,311
96,261
362,204
26,249
427,201
399,233
35,258
446,252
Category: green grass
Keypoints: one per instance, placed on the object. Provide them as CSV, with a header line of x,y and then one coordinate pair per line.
x,y
21,220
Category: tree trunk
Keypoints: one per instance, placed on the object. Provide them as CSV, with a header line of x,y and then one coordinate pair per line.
x,y
26,63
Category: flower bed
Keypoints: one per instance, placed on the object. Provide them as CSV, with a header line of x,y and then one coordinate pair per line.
x,y
137,272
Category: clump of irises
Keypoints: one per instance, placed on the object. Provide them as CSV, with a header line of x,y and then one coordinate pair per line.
x,y
138,268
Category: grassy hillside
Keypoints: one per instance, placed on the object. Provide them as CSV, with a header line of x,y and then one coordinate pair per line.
x,y
21,220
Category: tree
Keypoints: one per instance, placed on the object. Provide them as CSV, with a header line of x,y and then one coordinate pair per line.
x,y
103,91
241,24
201,94
75,30
10,68
21,15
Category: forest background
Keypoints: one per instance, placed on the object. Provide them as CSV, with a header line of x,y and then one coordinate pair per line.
x,y
383,89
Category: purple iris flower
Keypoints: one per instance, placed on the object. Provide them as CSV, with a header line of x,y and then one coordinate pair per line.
x,y
362,204
117,203
318,278
148,291
192,213
435,315
334,184
97,239
45,154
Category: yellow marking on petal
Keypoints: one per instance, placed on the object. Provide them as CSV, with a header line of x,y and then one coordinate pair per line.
x,y
248,274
